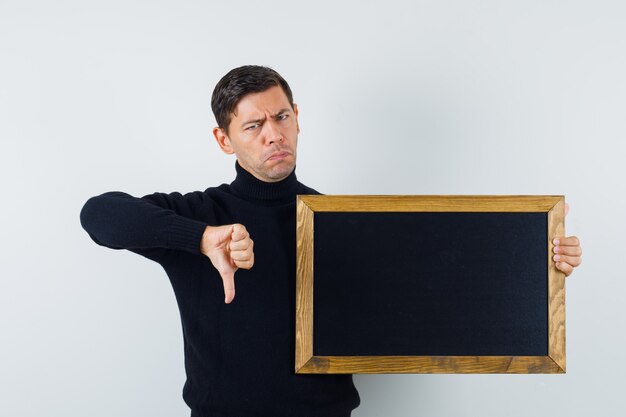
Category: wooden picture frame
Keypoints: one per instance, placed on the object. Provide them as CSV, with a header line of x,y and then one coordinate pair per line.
x,y
306,362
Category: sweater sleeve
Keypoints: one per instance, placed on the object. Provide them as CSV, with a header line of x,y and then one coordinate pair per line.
x,y
150,225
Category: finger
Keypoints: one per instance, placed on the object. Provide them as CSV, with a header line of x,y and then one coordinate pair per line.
x,y
566,241
566,208
239,232
241,244
565,267
572,260
228,279
245,264
568,250
241,255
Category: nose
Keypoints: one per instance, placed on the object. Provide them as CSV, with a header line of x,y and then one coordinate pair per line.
x,y
272,133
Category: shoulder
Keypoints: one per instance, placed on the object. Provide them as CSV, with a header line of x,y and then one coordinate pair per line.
x,y
305,190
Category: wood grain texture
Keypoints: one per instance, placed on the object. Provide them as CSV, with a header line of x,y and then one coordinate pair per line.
x,y
556,288
307,205
430,365
433,203
304,283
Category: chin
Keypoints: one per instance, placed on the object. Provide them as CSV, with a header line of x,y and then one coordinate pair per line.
x,y
281,172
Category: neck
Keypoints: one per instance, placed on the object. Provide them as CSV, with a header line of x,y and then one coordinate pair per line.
x,y
250,187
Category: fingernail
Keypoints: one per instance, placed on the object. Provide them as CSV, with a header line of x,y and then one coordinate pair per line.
x,y
557,249
557,257
557,241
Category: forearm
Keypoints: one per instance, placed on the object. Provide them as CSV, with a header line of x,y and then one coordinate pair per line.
x,y
119,220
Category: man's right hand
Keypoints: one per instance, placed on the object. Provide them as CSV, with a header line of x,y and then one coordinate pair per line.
x,y
229,248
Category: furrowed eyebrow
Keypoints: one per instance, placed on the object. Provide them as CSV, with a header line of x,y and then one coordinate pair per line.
x,y
247,122
273,116
279,113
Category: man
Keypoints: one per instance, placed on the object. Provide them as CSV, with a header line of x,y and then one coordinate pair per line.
x,y
239,356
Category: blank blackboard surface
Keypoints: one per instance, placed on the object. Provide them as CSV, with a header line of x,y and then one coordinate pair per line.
x,y
429,284
451,284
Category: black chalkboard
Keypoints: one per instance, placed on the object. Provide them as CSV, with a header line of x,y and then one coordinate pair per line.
x,y
429,284
450,284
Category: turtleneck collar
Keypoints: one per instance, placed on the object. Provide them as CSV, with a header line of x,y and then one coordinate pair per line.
x,y
248,186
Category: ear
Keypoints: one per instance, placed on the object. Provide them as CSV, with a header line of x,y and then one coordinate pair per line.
x,y
295,110
223,141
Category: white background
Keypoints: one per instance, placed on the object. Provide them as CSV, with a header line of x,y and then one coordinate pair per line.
x,y
395,97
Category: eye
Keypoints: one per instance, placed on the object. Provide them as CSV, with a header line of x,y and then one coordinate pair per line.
x,y
252,127
282,116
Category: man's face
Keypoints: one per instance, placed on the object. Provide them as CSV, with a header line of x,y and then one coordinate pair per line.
x,y
263,134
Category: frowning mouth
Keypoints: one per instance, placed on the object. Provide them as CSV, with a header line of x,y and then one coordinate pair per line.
x,y
278,155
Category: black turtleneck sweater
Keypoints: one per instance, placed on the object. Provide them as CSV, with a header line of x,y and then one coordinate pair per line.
x,y
239,357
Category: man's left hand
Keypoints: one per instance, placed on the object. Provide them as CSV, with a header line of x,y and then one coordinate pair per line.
x,y
567,251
